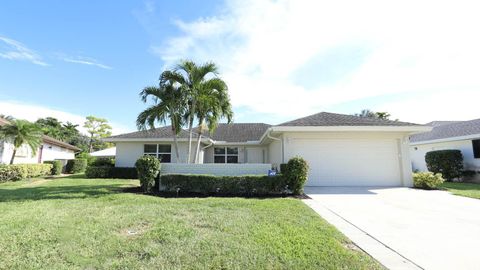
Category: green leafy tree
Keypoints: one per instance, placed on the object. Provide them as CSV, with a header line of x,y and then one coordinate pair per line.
x,y
97,128
51,127
20,132
371,114
169,101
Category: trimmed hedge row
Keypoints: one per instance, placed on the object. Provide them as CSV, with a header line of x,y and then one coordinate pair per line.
x,y
76,165
17,172
111,172
447,162
57,166
225,185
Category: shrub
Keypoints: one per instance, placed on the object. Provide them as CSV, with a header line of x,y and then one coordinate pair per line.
x,y
447,162
111,172
21,171
225,185
57,166
148,168
283,168
102,162
76,165
427,180
296,174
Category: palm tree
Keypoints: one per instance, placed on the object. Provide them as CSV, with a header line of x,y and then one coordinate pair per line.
x,y
191,78
169,104
213,103
21,132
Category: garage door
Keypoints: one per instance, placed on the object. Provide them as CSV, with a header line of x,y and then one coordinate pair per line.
x,y
349,162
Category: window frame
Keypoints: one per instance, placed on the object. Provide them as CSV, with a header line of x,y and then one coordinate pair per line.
x,y
226,154
157,152
476,148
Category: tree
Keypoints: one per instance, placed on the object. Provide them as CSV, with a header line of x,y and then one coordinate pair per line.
x,y
169,101
20,132
97,128
191,78
371,114
51,127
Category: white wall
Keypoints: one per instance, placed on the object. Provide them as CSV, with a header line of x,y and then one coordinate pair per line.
x,y
274,153
53,152
216,169
25,154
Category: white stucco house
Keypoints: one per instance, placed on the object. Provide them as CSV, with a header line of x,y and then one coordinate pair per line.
x,y
50,149
341,150
459,135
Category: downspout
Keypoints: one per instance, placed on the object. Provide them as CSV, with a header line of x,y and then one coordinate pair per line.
x,y
281,145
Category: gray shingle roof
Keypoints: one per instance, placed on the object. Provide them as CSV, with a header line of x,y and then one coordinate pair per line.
x,y
335,119
161,132
456,129
440,123
239,132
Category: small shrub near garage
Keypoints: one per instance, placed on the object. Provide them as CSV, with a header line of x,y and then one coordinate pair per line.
x,y
447,162
296,174
102,162
245,185
111,172
148,168
76,165
17,172
427,180
57,166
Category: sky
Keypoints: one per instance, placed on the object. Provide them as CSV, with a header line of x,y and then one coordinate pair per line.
x,y
282,59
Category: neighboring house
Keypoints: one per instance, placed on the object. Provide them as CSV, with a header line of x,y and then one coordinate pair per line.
x,y
460,135
50,149
106,153
341,150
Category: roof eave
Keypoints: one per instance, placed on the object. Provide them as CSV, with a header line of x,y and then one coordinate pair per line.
x,y
449,139
408,129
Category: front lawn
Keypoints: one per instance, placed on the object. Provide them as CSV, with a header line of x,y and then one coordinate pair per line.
x,y
463,189
75,223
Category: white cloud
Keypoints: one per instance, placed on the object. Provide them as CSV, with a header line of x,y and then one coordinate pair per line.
x,y
414,47
32,112
14,50
85,61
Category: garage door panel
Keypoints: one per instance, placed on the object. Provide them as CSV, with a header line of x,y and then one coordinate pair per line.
x,y
349,162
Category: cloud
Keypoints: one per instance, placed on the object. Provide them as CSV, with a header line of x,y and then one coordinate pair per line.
x,y
14,50
85,61
295,57
32,112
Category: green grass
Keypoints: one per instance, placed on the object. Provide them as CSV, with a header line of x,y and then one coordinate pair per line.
x,y
463,189
75,223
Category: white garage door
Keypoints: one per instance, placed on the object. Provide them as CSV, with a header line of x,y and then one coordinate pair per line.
x,y
349,162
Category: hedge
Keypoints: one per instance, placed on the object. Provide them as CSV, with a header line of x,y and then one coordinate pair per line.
x,y
57,166
447,162
148,169
102,162
427,180
249,185
17,172
76,165
296,173
111,172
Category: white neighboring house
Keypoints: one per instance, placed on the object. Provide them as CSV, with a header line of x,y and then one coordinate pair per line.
x,y
106,153
459,135
50,149
341,150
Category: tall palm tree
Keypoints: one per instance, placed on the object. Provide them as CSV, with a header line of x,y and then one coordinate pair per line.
x,y
213,103
191,78
169,105
19,132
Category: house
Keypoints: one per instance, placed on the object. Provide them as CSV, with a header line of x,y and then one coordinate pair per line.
x,y
460,135
341,150
105,153
50,149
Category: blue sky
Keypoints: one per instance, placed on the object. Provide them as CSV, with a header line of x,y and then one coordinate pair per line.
x,y
281,59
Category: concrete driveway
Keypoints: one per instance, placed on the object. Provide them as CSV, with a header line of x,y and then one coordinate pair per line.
x,y
405,228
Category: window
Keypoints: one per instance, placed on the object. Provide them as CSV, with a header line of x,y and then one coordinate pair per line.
x,y
160,151
476,148
225,155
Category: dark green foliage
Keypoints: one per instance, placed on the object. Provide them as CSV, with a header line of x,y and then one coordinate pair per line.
x,y
111,172
102,162
76,165
447,162
283,168
148,168
296,174
21,171
57,166
246,185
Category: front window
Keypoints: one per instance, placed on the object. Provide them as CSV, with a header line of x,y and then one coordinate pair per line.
x,y
225,155
476,148
161,151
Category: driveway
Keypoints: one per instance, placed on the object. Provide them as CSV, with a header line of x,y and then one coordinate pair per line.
x,y
424,229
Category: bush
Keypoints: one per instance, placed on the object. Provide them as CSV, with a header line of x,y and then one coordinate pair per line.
x,y
148,168
447,162
76,165
111,172
57,166
283,168
225,185
427,180
296,174
102,162
21,171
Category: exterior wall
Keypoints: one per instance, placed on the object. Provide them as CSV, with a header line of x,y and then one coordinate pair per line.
x,y
216,169
274,153
25,155
246,154
53,152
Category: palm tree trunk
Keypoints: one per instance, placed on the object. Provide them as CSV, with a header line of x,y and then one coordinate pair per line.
x,y
197,151
190,128
13,155
175,143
